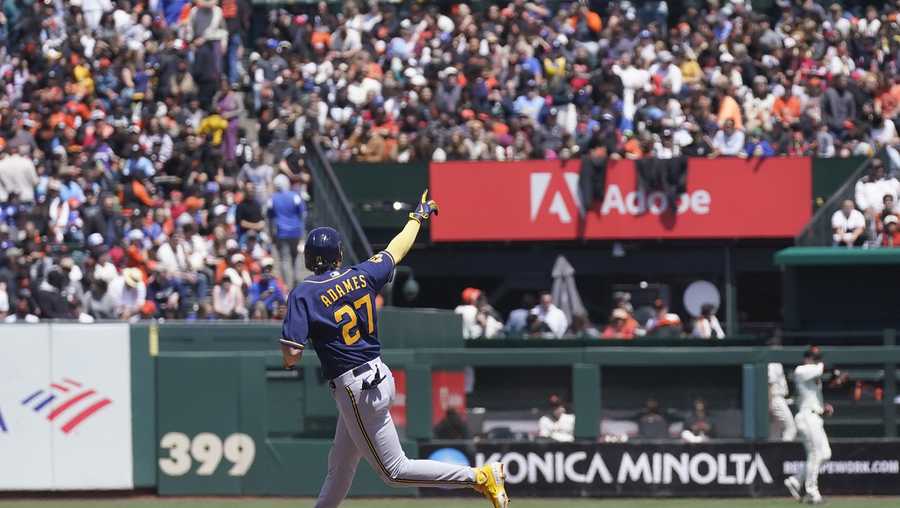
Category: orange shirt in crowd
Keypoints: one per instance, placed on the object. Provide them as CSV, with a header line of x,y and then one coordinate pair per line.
x,y
591,19
320,37
135,258
625,332
730,109
633,147
890,239
789,108
895,92
889,103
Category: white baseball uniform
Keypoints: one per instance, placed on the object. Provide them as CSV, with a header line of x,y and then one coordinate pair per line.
x,y
365,430
808,381
778,406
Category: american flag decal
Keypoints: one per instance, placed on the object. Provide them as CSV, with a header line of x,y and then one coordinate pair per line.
x,y
67,402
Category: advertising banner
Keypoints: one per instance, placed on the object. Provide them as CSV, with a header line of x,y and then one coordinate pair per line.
x,y
676,469
540,200
65,407
448,391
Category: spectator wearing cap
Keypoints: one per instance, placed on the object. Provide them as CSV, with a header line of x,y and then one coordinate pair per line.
x,y
621,325
848,225
239,271
287,215
129,293
890,235
469,312
557,425
267,290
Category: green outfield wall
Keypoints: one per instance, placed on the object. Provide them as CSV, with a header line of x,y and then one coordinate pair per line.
x,y
206,409
214,413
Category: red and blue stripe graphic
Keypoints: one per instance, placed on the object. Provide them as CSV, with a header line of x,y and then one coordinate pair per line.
x,y
75,405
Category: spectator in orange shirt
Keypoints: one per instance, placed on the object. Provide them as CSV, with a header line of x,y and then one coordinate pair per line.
x,y
621,325
890,237
886,104
632,147
787,107
729,109
136,253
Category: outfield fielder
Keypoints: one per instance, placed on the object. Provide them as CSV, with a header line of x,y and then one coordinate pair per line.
x,y
778,405
811,408
334,309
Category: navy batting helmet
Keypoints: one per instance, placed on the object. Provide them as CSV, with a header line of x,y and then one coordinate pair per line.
x,y
323,250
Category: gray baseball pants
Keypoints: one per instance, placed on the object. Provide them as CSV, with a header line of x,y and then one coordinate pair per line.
x,y
365,430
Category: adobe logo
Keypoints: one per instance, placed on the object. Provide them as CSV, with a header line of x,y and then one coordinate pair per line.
x,y
558,191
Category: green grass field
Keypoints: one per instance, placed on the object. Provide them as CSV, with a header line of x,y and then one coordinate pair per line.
x,y
844,502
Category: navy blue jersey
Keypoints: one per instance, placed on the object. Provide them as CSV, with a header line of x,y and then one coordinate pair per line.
x,y
335,311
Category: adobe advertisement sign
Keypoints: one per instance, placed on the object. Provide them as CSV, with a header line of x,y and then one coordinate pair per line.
x,y
65,407
539,200
676,469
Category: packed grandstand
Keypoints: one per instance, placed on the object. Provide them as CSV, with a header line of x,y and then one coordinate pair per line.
x,y
154,152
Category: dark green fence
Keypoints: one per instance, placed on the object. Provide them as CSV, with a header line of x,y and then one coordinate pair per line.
x,y
215,414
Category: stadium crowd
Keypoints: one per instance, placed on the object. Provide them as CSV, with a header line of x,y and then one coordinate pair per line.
x,y
542,318
153,151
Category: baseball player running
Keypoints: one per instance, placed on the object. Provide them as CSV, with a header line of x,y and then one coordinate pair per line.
x,y
334,310
811,408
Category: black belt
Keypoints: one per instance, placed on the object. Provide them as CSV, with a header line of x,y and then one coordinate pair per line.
x,y
359,371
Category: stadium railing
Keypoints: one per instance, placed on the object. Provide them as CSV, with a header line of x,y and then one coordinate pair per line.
x,y
331,206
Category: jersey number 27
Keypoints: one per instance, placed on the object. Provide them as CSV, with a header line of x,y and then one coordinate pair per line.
x,y
349,330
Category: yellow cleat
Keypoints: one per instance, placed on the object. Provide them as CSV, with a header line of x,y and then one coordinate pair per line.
x,y
489,480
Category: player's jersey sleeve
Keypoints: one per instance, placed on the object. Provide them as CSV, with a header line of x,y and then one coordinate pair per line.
x,y
379,268
295,328
809,371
